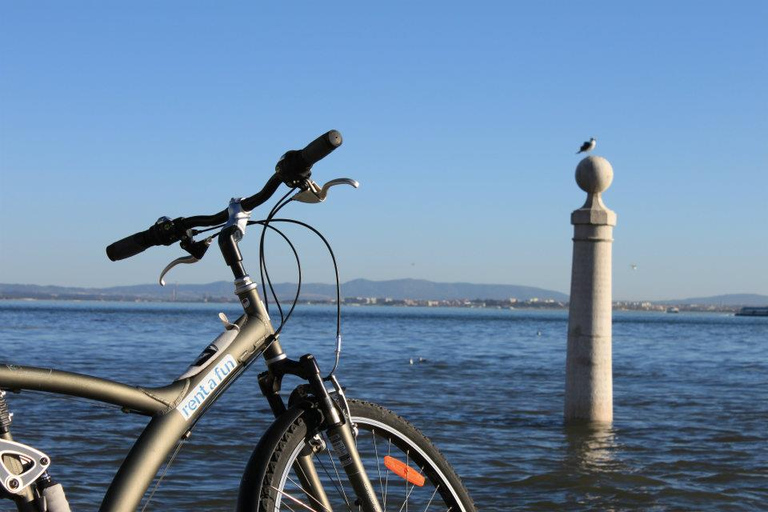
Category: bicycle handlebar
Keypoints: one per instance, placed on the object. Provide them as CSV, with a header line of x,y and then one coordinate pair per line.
x,y
293,169
321,147
130,246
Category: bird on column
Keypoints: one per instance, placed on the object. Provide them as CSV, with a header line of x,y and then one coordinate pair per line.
x,y
587,146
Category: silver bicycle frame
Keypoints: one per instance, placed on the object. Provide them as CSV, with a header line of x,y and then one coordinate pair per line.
x,y
174,408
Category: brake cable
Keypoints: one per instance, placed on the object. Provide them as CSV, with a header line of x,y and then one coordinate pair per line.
x,y
196,232
338,285
262,265
266,281
266,277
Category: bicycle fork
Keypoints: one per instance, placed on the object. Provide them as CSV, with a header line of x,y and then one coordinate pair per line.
x,y
339,429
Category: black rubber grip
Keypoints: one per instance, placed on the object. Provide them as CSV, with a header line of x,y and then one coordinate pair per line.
x,y
130,246
321,147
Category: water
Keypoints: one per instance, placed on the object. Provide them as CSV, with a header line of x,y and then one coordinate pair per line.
x,y
690,401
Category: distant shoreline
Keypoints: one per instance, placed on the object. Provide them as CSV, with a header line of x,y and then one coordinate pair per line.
x,y
492,304
395,292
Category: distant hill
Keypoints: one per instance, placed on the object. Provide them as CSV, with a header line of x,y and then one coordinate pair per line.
x,y
420,289
736,299
399,289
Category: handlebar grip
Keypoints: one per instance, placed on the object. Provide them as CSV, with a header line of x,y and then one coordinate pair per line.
x,y
321,147
130,246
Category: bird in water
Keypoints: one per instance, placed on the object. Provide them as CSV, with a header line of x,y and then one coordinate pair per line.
x,y
587,146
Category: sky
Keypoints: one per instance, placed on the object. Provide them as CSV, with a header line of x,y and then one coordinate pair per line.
x,y
461,121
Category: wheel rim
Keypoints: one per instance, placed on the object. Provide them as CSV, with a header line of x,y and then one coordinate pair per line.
x,y
376,440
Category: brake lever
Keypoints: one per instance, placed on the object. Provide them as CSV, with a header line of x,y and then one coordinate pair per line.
x,y
315,194
196,252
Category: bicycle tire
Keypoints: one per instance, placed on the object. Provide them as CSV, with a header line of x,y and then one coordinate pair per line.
x,y
270,483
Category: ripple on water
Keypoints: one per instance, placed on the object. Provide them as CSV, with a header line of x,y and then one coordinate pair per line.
x,y
689,390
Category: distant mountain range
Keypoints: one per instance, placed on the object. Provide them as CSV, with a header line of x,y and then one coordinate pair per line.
x,y
736,299
399,289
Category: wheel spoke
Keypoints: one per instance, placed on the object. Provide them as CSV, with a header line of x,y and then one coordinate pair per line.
x,y
431,498
378,467
337,482
340,480
386,479
389,448
307,492
295,500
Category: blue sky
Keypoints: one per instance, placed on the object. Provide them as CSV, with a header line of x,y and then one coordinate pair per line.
x,y
460,120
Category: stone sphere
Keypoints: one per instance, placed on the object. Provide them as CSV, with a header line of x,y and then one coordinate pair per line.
x,y
594,174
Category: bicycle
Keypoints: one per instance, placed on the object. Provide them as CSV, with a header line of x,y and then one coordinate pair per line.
x,y
323,451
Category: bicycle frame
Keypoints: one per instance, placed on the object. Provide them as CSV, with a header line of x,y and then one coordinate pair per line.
x,y
177,407
174,408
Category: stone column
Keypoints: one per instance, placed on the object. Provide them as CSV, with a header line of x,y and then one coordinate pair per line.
x,y
589,372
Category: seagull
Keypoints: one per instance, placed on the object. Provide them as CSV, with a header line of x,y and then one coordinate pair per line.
x,y
587,146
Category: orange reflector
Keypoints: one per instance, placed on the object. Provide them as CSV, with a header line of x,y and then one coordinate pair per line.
x,y
402,470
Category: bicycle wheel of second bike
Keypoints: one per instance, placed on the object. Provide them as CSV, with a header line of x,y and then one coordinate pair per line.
x,y
406,470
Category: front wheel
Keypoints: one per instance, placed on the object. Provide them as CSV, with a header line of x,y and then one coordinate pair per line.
x,y
406,470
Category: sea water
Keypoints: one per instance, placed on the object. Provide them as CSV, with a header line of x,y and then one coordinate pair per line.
x,y
690,427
